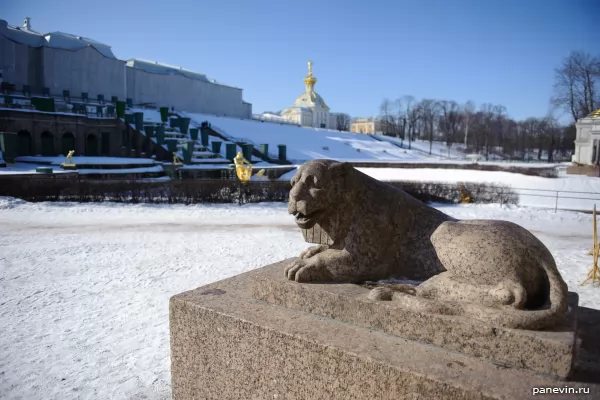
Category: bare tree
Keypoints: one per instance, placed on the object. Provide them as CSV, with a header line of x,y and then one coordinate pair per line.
x,y
498,123
413,115
343,122
575,84
487,114
386,116
429,111
449,121
530,129
404,106
468,110
490,129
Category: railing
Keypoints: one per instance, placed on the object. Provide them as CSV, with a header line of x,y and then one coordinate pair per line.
x,y
536,198
558,199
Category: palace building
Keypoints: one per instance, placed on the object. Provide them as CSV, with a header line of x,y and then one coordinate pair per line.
x,y
58,64
310,109
587,141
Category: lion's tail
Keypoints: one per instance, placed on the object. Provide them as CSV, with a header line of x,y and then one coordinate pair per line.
x,y
504,317
531,319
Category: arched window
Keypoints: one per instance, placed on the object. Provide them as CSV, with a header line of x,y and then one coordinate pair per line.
x,y
48,144
24,147
92,146
67,143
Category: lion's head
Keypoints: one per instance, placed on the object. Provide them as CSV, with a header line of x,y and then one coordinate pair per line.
x,y
317,190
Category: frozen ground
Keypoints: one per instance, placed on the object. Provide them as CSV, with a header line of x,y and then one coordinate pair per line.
x,y
84,289
575,192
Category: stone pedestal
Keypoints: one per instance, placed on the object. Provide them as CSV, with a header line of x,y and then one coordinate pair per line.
x,y
226,344
549,352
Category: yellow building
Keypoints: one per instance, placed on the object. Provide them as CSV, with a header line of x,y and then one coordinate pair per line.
x,y
366,125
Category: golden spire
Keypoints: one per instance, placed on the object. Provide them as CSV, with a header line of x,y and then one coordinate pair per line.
x,y
310,80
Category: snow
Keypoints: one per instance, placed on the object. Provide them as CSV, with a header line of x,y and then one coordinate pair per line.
x,y
151,115
85,160
84,289
206,166
157,168
20,169
574,192
304,143
437,148
288,175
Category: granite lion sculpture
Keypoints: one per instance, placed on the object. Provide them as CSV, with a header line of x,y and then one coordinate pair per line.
x,y
494,271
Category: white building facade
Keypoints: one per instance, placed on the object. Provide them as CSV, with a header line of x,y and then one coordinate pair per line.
x,y
310,109
151,82
56,62
587,140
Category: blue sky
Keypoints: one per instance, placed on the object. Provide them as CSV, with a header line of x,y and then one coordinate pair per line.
x,y
502,52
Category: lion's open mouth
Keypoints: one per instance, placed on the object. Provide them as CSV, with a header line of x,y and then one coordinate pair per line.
x,y
305,218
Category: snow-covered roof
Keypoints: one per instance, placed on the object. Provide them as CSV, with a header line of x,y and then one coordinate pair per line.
x,y
160,68
57,40
67,41
19,35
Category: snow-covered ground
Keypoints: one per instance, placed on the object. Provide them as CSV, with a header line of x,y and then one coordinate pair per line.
x,y
87,160
84,289
27,165
574,192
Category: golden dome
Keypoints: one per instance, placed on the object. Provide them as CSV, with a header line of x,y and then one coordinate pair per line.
x,y
310,80
595,114
310,99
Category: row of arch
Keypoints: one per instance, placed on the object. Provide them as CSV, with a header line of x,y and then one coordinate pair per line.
x,y
67,142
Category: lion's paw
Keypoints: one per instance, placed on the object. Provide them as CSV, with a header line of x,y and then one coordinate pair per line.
x,y
306,270
313,251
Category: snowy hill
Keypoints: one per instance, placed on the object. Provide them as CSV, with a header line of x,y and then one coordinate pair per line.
x,y
304,143
308,143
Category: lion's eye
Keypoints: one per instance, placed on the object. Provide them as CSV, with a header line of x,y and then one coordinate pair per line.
x,y
311,180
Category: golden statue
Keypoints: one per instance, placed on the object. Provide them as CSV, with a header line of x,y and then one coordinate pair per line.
x,y
69,159
465,196
243,168
176,159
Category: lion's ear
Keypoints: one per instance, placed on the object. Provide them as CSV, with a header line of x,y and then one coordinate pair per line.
x,y
340,169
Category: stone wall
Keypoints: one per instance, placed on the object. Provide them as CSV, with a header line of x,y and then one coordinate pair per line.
x,y
53,134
